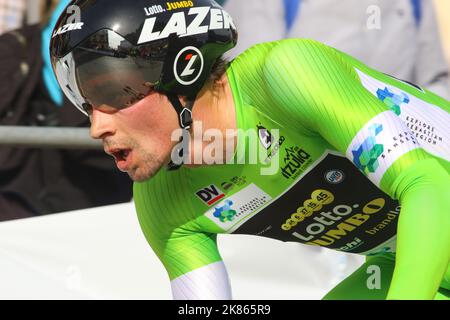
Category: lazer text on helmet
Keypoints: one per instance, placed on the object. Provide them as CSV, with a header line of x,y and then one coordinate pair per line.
x,y
219,19
67,28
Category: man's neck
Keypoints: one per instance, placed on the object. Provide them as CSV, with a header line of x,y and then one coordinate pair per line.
x,y
213,114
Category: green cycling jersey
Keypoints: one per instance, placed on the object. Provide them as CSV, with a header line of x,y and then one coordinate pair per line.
x,y
349,159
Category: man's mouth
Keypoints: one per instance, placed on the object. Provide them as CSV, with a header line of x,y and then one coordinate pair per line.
x,y
123,158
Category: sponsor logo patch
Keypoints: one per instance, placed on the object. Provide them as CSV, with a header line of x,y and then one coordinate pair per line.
x,y
352,216
188,65
238,208
225,213
366,155
68,27
210,195
427,122
334,176
295,162
177,23
265,137
379,144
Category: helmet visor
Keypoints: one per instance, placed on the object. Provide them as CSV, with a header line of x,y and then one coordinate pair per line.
x,y
106,69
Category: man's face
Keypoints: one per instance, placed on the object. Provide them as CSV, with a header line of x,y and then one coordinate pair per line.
x,y
138,137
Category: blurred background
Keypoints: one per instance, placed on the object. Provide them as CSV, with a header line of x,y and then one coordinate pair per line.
x,y
443,11
47,172
48,164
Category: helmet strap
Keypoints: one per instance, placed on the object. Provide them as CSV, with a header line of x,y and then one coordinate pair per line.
x,y
185,122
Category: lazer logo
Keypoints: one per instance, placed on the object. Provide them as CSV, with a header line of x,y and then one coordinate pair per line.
x,y
68,27
219,19
210,195
188,65
188,71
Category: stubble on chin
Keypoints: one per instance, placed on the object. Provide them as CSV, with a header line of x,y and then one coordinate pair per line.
x,y
149,167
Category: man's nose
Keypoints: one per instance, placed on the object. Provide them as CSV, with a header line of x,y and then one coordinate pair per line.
x,y
101,124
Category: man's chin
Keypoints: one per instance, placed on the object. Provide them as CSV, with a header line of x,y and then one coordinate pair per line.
x,y
140,175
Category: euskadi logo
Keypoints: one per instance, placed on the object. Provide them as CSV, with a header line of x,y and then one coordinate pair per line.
x,y
177,24
366,155
210,195
392,100
225,213
188,65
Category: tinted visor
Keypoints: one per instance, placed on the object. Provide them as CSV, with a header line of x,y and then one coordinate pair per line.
x,y
106,69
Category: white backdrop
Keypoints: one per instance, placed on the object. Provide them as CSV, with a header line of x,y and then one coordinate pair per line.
x,y
101,253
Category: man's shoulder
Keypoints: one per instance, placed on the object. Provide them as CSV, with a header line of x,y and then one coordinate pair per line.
x,y
267,49
259,61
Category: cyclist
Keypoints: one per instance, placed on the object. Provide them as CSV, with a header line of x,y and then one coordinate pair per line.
x,y
362,158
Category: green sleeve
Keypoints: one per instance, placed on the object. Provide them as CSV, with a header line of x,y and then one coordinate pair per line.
x,y
173,236
320,90
423,238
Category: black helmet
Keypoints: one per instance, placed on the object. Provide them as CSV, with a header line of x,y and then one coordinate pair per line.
x,y
112,51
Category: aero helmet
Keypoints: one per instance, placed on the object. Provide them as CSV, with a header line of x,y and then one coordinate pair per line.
x,y
111,51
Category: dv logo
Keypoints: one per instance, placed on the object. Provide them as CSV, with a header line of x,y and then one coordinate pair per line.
x,y
210,195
